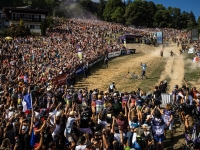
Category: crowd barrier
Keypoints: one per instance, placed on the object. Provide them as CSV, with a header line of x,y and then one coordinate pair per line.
x,y
166,98
61,79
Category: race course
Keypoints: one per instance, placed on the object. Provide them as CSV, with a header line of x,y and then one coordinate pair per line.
x,y
166,68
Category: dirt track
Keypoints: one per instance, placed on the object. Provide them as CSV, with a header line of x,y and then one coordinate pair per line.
x,y
174,70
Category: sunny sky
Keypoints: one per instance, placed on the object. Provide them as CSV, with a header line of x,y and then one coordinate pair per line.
x,y
184,5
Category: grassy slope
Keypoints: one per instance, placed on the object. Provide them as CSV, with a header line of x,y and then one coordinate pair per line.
x,y
153,73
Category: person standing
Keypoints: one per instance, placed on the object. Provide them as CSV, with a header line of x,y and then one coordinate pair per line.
x,y
106,62
144,66
112,87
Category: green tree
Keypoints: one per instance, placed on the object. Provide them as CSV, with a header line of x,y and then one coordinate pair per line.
x,y
136,14
86,5
117,16
198,22
162,18
110,8
151,11
129,2
175,14
184,20
192,21
160,7
101,7
17,30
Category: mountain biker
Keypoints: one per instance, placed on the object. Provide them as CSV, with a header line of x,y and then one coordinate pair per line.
x,y
144,67
171,53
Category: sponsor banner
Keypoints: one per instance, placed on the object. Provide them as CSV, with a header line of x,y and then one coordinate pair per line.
x,y
159,37
127,52
60,80
94,62
79,70
195,34
114,54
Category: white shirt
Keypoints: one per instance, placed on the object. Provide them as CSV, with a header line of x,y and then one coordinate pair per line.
x,y
80,147
117,136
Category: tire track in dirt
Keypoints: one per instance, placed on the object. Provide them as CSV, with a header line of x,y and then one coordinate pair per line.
x,y
174,68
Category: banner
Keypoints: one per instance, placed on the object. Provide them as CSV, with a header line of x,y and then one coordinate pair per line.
x,y
94,62
79,70
60,80
127,52
114,54
195,34
159,37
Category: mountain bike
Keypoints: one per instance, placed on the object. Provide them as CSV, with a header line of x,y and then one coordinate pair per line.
x,y
132,76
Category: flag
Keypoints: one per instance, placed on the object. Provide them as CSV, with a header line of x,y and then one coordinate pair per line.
x,y
27,102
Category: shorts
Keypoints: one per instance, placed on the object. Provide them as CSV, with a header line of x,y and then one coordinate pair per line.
x,y
159,138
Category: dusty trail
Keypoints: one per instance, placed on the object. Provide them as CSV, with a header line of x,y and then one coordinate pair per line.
x,y
103,77
174,68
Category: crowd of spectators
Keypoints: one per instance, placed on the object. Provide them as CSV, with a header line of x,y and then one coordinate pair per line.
x,y
63,117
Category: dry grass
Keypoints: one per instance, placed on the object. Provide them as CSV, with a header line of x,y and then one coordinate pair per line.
x,y
119,66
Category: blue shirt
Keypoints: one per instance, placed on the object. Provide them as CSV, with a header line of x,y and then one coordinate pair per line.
x,y
144,67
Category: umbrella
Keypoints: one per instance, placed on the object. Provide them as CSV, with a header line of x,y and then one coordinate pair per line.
x,y
8,38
